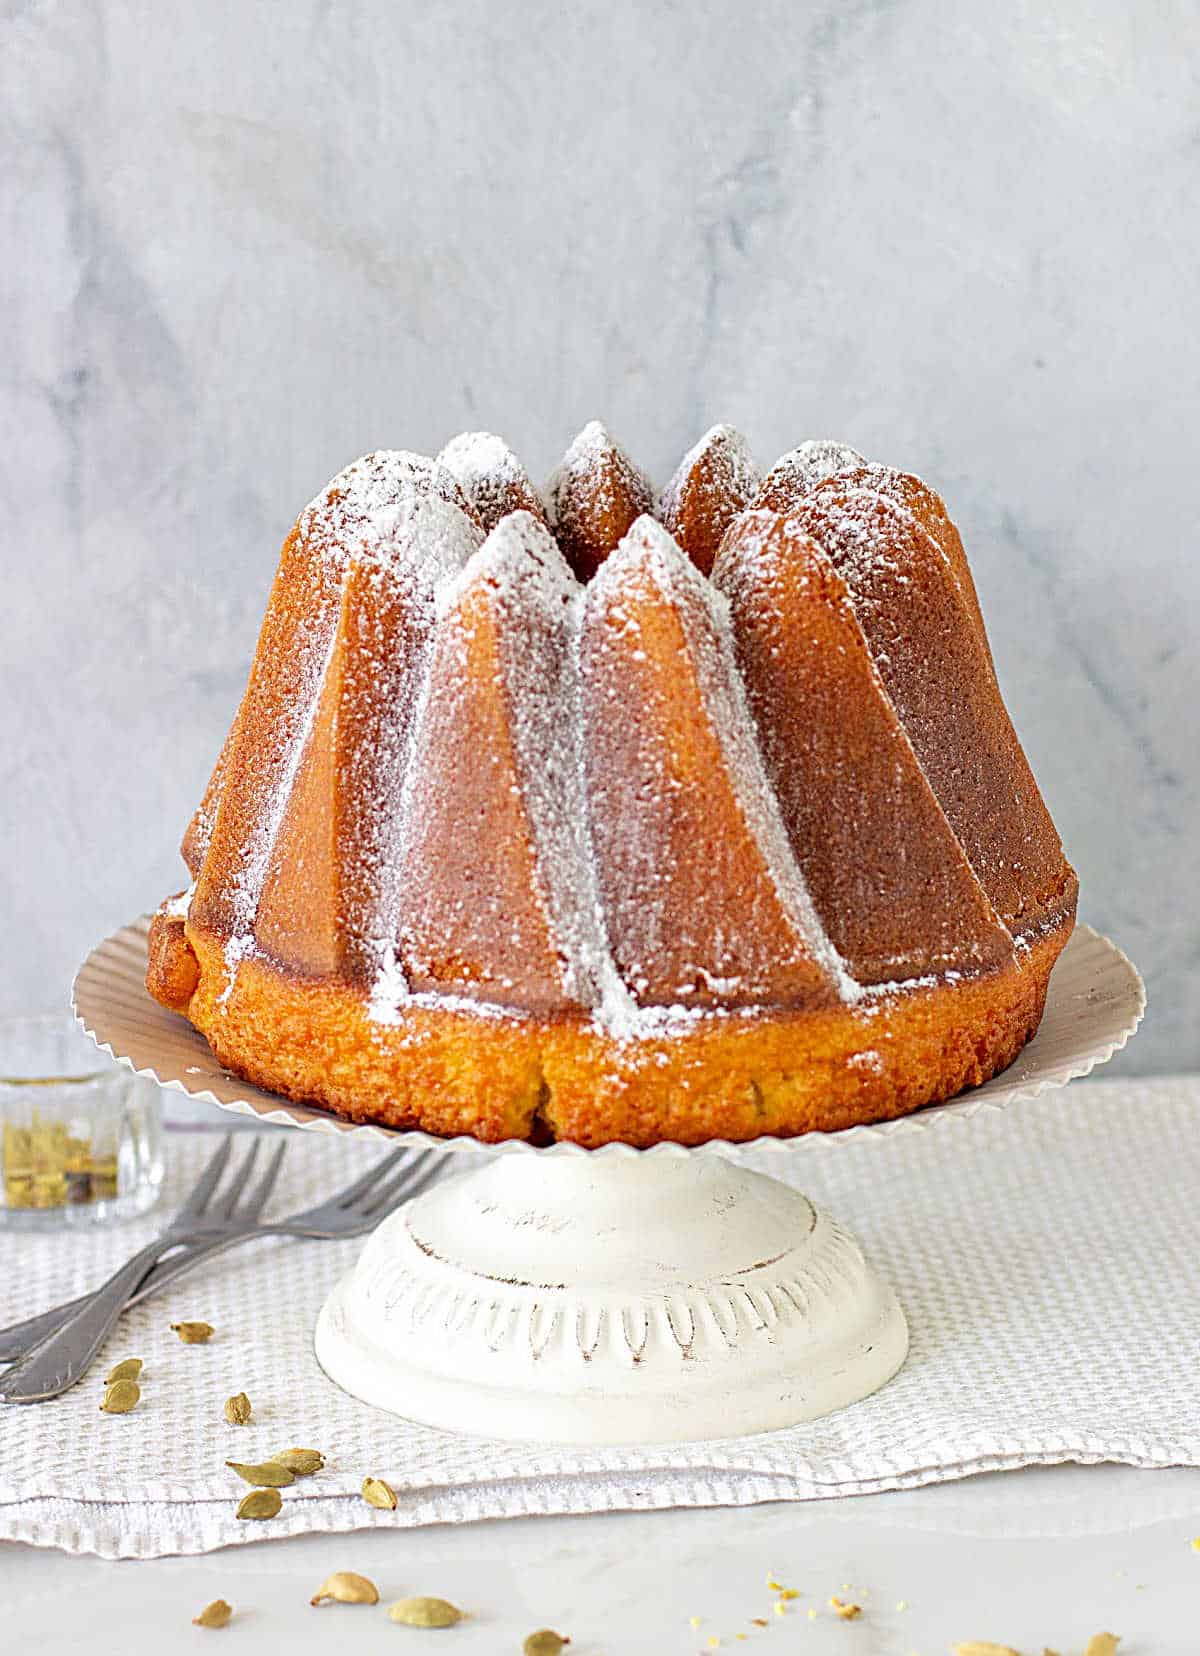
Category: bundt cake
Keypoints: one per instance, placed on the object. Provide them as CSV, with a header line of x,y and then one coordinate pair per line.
x,y
577,816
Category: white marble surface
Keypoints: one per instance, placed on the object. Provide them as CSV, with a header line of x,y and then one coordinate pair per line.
x,y
1034,1558
244,243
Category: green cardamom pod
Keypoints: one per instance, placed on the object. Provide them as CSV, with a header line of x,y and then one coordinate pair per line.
x,y
193,1333
260,1503
237,1409
270,1475
128,1370
424,1612
302,1462
216,1614
121,1396
545,1642
376,1493
346,1588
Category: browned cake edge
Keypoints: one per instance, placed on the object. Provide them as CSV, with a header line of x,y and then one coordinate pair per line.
x,y
449,1072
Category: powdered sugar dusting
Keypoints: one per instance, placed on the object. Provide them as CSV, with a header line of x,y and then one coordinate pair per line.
x,y
490,476
176,908
934,663
585,454
648,552
490,870
798,472
389,990
593,497
313,649
438,542
864,530
540,596
885,868
475,456
899,487
393,514
723,463
409,527
203,823
364,511
924,512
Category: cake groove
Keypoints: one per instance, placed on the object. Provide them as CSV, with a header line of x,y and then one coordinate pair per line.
x,y
888,876
917,621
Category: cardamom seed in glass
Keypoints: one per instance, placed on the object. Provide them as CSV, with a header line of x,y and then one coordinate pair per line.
x,y
216,1614
545,1642
237,1409
376,1493
424,1612
128,1370
344,1587
303,1462
268,1475
121,1396
260,1503
193,1333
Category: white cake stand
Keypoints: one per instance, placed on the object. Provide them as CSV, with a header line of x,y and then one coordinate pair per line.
x,y
614,1295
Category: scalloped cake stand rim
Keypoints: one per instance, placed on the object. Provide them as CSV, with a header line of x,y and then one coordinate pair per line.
x,y
1095,1003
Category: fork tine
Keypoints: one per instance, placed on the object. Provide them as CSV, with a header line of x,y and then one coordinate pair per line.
x,y
387,1194
200,1192
421,1182
351,1194
228,1201
252,1205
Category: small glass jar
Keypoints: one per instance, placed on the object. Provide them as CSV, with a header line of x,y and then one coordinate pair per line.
x,y
80,1137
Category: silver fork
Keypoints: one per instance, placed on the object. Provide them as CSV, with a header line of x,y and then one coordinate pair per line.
x,y
352,1212
65,1355
19,1338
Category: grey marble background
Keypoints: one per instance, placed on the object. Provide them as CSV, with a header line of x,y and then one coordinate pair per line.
x,y
242,243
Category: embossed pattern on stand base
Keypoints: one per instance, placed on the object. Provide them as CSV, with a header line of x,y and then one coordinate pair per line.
x,y
609,1301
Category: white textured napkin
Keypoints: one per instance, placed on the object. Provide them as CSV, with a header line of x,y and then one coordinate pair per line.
x,y
1048,1258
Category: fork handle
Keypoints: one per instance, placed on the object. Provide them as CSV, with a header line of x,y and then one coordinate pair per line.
x,y
64,1356
19,1338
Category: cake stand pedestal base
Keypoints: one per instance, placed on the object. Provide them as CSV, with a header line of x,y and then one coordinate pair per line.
x,y
608,1299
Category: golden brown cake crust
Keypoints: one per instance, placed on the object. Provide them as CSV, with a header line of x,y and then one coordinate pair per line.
x,y
715,481
597,494
885,871
734,1078
172,970
493,852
